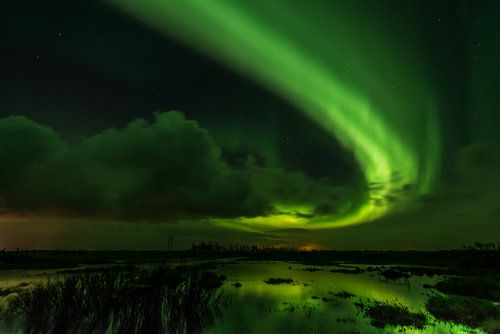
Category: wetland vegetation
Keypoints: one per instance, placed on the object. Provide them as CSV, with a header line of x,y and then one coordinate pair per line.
x,y
221,291
153,300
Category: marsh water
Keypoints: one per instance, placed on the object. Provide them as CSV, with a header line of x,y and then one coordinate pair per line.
x,y
316,300
311,303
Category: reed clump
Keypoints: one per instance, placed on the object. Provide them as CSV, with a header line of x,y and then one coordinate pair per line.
x,y
156,300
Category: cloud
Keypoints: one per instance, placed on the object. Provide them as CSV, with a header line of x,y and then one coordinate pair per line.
x,y
147,170
294,193
159,170
25,147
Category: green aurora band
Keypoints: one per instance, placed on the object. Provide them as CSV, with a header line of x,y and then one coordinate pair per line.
x,y
337,66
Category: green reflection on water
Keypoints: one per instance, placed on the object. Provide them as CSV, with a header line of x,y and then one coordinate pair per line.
x,y
307,306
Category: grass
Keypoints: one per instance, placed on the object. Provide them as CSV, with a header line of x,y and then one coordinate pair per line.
x,y
469,311
389,314
173,300
393,274
354,271
482,287
491,326
469,261
342,294
276,281
470,302
6,292
100,269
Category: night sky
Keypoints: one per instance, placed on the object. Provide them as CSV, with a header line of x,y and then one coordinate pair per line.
x,y
318,124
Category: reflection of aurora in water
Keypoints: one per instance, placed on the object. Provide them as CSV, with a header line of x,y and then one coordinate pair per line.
x,y
372,97
257,307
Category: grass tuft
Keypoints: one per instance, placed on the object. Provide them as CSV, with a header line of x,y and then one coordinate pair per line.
x,y
469,311
388,314
276,281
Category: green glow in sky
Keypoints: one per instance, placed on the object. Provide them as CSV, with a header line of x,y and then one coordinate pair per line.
x,y
340,69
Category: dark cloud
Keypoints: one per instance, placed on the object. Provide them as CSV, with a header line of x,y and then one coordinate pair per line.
x,y
291,189
147,170
164,169
25,148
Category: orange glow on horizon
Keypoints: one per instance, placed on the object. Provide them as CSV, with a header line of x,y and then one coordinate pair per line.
x,y
309,247
11,218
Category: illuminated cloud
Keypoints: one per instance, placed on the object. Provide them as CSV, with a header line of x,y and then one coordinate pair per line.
x,y
148,171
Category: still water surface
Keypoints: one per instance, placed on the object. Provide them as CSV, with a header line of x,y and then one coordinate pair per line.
x,y
307,305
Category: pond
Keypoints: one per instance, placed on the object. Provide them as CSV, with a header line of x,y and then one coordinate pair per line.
x,y
313,302
282,297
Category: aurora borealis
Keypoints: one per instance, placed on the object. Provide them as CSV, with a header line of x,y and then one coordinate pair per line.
x,y
253,45
247,39
338,124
